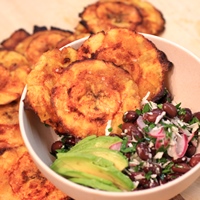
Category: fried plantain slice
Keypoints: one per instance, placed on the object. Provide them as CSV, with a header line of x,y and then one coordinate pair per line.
x,y
9,113
73,37
89,46
136,54
91,92
14,69
27,182
11,135
80,28
8,157
105,15
153,19
43,77
41,41
16,37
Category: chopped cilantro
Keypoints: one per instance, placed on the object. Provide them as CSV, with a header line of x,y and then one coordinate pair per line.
x,y
168,168
146,108
148,175
110,129
125,148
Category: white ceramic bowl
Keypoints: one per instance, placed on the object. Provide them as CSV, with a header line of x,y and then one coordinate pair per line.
x,y
184,83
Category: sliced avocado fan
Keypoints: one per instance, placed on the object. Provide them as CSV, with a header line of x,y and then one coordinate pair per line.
x,y
91,163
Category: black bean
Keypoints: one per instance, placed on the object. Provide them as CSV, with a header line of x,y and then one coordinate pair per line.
x,y
197,115
143,151
170,109
180,160
151,116
181,168
70,140
55,146
154,168
191,150
132,130
130,116
172,176
187,116
153,183
194,160
133,176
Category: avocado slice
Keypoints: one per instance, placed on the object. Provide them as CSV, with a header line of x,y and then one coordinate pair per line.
x,y
94,183
93,165
91,181
117,158
94,141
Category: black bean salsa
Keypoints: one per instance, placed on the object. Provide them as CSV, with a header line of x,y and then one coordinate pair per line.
x,y
160,141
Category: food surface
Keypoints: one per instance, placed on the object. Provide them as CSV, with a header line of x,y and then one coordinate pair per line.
x,y
93,87
158,143
145,63
20,178
135,15
42,79
94,91
14,69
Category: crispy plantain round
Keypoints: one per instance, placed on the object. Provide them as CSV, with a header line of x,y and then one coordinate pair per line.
x,y
9,113
43,77
133,52
105,15
27,182
89,46
136,15
14,69
16,37
36,44
91,92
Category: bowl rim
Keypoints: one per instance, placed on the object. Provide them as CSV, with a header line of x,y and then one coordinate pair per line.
x,y
63,180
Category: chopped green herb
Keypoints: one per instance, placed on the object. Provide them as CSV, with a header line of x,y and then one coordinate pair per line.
x,y
148,175
110,129
146,108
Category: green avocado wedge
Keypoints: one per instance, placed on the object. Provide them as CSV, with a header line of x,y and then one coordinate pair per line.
x,y
94,183
91,181
94,141
117,158
92,165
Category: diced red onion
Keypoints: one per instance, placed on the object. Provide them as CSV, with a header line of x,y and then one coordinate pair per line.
x,y
140,122
116,146
157,132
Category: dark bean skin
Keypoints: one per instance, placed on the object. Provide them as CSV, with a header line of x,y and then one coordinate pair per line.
x,y
55,146
153,184
130,116
132,130
172,176
170,109
154,168
197,115
181,168
151,117
187,116
143,151
191,150
70,141
135,174
195,160
180,160
143,183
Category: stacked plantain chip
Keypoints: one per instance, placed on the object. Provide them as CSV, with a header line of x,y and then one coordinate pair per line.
x,y
20,178
136,15
105,77
27,55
